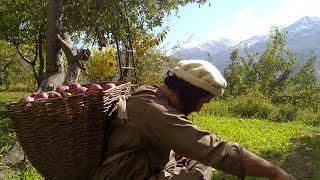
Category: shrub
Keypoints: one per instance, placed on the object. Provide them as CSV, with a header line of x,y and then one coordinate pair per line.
x,y
216,107
284,113
309,117
252,105
255,105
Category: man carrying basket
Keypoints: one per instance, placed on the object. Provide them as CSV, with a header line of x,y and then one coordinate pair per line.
x,y
153,138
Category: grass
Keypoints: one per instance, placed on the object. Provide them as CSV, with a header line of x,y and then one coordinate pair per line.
x,y
22,172
259,136
293,146
6,134
275,142
7,139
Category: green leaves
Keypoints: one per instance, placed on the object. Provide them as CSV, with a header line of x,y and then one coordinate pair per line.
x,y
275,71
102,67
100,22
91,17
21,20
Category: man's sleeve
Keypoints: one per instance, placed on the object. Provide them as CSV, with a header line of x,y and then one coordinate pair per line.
x,y
165,126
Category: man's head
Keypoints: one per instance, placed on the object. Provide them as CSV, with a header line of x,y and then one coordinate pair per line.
x,y
196,82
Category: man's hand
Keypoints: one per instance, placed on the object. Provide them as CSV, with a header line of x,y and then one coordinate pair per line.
x,y
257,166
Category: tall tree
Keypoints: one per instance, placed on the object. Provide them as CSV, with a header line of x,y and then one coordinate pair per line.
x,y
233,73
23,25
58,22
11,70
306,79
275,73
6,60
266,72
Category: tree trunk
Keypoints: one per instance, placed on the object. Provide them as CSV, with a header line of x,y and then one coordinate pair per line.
x,y
55,73
41,60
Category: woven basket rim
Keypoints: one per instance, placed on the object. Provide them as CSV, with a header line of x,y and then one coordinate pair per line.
x,y
66,97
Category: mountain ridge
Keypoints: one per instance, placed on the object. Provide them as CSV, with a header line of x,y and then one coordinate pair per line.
x,y
302,37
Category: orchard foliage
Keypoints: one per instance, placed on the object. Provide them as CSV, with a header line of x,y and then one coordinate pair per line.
x,y
102,67
22,21
277,73
14,74
99,22
152,67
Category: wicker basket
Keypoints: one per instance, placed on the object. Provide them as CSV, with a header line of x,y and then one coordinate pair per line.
x,y
64,138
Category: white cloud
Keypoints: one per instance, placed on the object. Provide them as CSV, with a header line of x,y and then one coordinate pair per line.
x,y
255,20
243,14
242,33
260,22
296,9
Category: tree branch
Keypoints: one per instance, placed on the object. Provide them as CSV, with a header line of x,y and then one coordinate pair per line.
x,y
6,66
66,47
41,58
71,55
36,51
35,73
22,56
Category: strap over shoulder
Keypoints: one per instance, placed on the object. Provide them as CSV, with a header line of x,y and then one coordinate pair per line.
x,y
122,107
146,89
122,100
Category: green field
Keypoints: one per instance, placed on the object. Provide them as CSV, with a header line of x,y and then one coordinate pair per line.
x,y
292,145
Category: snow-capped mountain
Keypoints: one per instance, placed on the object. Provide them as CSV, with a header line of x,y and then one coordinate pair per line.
x,y
217,45
303,37
205,50
304,26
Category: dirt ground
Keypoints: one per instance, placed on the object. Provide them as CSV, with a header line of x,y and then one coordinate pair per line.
x,y
305,157
13,160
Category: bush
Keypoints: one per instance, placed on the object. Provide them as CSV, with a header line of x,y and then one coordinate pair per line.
x,y
252,105
284,113
216,107
309,117
255,105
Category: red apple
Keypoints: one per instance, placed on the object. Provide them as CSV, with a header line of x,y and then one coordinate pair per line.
x,y
53,94
80,90
42,95
27,99
62,89
108,86
73,87
94,88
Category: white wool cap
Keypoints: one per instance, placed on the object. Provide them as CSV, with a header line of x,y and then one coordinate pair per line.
x,y
201,74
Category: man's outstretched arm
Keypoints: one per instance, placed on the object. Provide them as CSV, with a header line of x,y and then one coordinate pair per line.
x,y
257,166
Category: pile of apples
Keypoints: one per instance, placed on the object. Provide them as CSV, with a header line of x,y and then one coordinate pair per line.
x,y
65,91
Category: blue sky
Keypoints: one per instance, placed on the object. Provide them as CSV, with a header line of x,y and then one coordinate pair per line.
x,y
234,19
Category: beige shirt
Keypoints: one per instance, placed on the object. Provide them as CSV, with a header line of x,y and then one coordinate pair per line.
x,y
153,129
